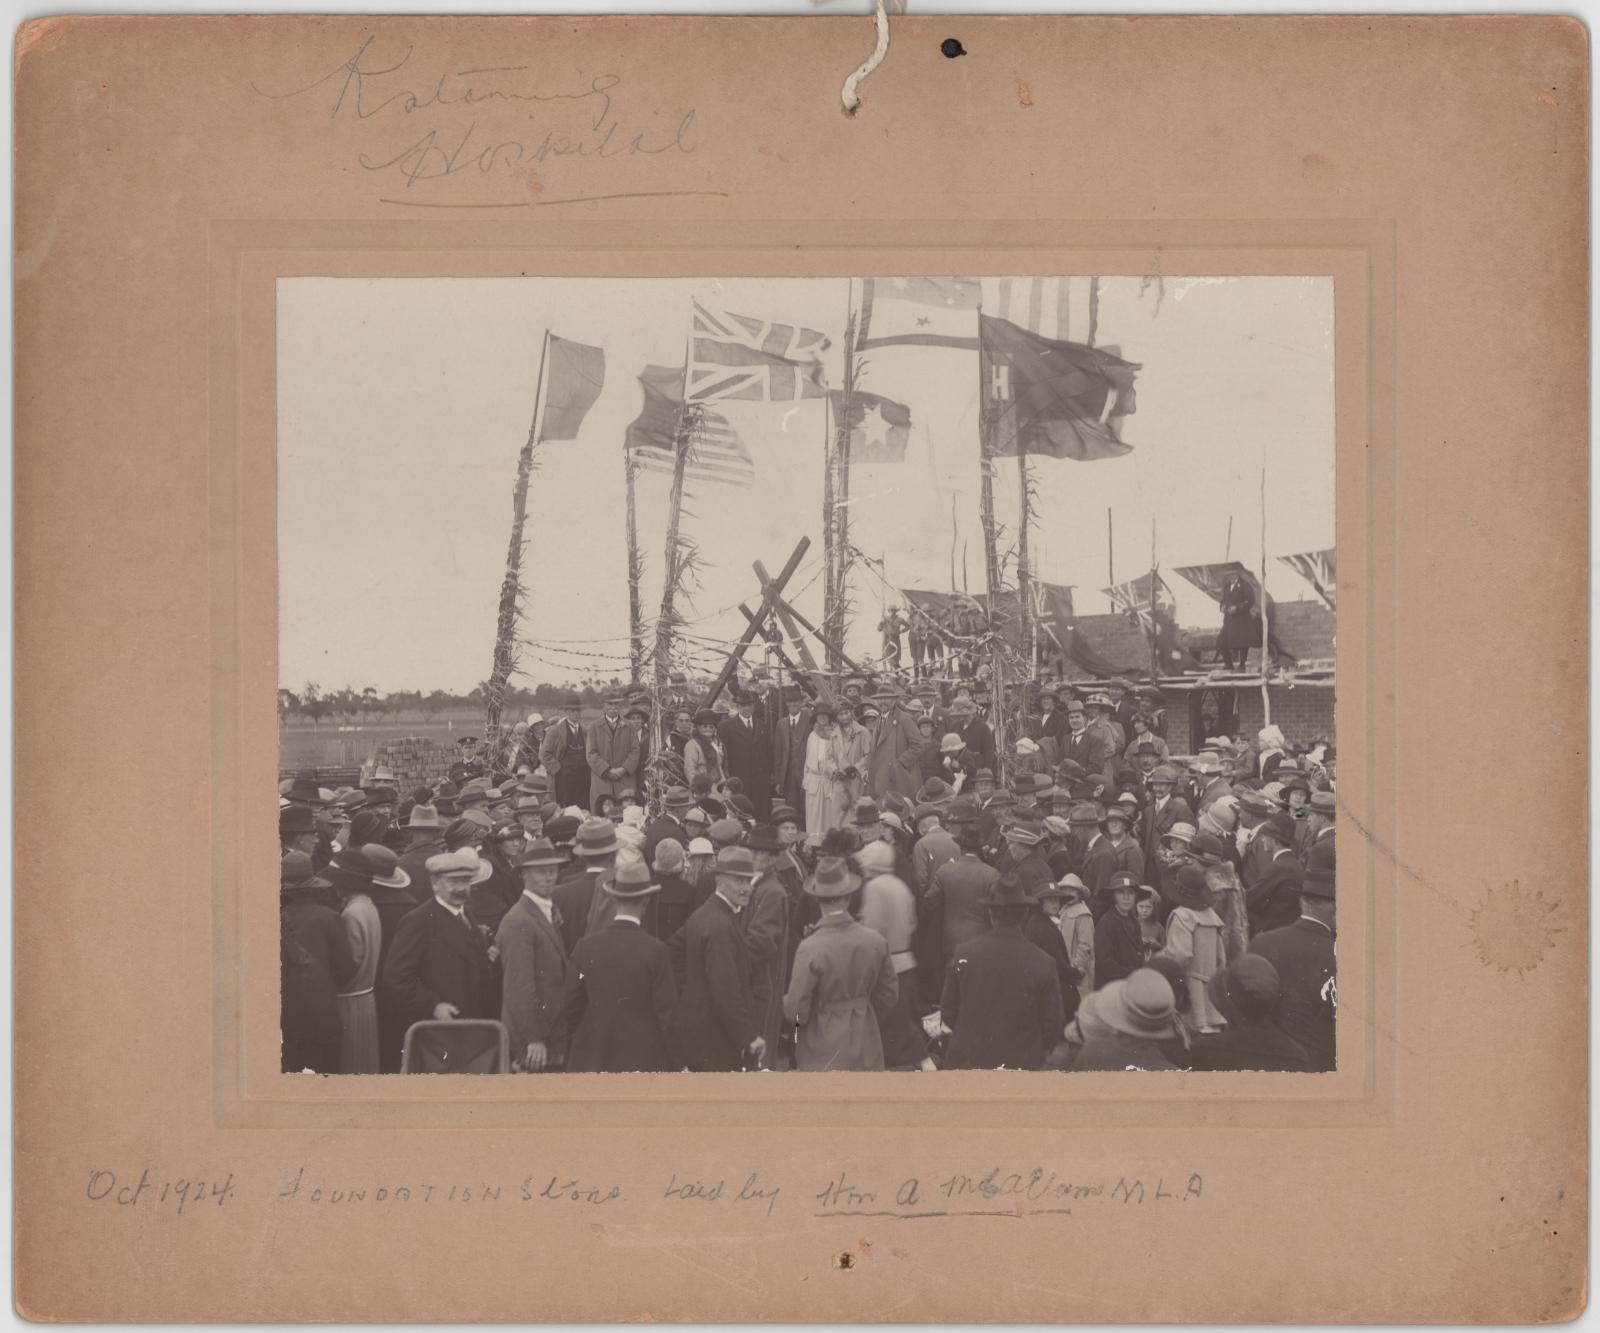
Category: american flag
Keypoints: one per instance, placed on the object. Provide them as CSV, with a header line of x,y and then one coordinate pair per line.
x,y
716,453
737,356
1319,570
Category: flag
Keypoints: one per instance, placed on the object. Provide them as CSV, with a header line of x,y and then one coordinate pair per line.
x,y
918,312
1158,618
1052,399
1319,569
879,427
574,374
737,356
716,452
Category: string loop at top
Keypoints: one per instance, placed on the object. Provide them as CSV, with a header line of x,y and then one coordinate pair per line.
x,y
850,94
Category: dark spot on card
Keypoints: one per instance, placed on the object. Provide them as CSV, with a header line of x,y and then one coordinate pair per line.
x,y
844,1260
952,48
1514,928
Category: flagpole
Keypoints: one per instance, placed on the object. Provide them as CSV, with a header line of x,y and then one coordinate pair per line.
x,y
844,427
1155,628
669,563
630,470
1024,569
511,584
1266,633
991,566
1111,559
828,500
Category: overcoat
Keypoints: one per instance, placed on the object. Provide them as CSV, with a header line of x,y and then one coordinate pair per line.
x,y
534,967
765,921
658,830
1274,899
843,987
1102,860
414,861
316,963
392,906
1304,956
438,958
620,998
1002,999
1118,947
1159,820
895,764
789,758
715,1019
748,749
959,887
611,745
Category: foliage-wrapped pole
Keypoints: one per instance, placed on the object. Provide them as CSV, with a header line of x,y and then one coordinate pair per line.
x,y
672,563
838,626
635,574
511,585
828,562
1024,568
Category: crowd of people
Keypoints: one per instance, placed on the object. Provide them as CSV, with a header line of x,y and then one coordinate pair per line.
x,y
850,882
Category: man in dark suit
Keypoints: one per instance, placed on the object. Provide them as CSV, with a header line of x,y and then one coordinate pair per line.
x,y
1165,810
669,823
789,753
620,995
956,901
749,753
1002,995
716,1026
1086,746
1303,954
1273,898
533,960
439,966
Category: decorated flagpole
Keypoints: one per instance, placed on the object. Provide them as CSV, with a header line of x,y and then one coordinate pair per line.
x,y
838,627
630,469
511,584
1155,625
688,420
1266,631
991,554
828,500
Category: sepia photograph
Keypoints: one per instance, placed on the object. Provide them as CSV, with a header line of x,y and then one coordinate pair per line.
x,y
806,674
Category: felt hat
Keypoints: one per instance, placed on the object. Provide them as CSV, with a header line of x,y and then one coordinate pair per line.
x,y
1181,833
697,814
925,723
475,791
668,859
1123,879
764,838
528,805
1189,889
643,714
1324,803
562,829
478,815
1027,746
1072,886
935,791
1056,827
700,847
1147,747
1207,849
965,810
736,861
1026,832
707,717
951,744
865,812
464,864
1120,812
1074,705
1206,766
1247,988
304,790
541,852
866,712
1008,891
983,775
1128,798
596,837
726,832
1280,826
296,872
386,866
926,811
677,798
296,819
425,816
745,807
1293,782
1084,813
834,879
351,801
1099,699
1140,1005
1163,773
631,879
784,814
1320,865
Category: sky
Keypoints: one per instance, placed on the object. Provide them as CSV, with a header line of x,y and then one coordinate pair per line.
x,y
403,404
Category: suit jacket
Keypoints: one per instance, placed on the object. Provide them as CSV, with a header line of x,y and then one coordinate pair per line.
x,y
573,896
748,751
1101,861
1303,953
765,920
436,958
789,757
620,999
1002,999
533,962
610,746
658,830
715,1019
1091,748
1158,822
959,887
555,744
1274,899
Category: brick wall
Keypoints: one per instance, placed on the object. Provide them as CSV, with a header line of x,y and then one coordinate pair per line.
x,y
1305,714
416,760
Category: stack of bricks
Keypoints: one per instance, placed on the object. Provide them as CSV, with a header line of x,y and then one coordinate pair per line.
x,y
416,760
1304,714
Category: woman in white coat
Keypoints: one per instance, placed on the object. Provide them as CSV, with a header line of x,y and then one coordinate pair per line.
x,y
825,796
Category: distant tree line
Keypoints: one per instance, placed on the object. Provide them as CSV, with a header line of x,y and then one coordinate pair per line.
x,y
311,703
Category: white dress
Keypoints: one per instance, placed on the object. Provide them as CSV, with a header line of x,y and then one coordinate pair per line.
x,y
824,796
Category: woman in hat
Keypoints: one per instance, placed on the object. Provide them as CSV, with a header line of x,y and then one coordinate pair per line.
x,y
855,746
1146,911
1140,1010
698,856
357,874
317,964
844,982
825,792
703,754
889,907
1118,940
1077,926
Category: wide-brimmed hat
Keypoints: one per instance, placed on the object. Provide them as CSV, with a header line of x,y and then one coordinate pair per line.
x,y
464,864
355,866
1320,865
951,743
1255,803
541,852
784,814
1140,1005
1207,849
1099,699
935,791
1188,888
865,812
1008,891
425,816
296,819
475,791
631,879
1115,811
386,866
304,790
1070,886
295,871
764,838
596,837
735,861
349,802
1247,988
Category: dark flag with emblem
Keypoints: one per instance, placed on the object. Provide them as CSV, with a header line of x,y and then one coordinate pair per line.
x,y
1052,399
879,427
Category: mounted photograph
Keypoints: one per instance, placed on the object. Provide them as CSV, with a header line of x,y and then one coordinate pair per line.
x,y
870,673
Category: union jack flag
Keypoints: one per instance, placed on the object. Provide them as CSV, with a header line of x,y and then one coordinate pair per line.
x,y
737,356
1319,570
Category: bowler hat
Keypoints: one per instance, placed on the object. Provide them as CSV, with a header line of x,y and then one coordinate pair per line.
x,y
1189,888
764,838
1140,1005
1008,891
834,879
386,866
295,872
296,819
1247,988
540,852
596,837
736,861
